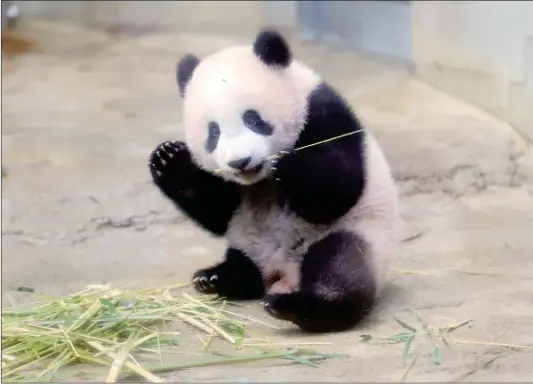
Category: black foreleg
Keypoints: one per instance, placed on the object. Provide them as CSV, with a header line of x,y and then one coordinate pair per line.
x,y
207,199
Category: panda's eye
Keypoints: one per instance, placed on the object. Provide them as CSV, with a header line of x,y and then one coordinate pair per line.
x,y
213,134
214,129
255,123
251,118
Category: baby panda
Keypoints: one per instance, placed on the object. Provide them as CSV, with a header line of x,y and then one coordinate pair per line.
x,y
276,162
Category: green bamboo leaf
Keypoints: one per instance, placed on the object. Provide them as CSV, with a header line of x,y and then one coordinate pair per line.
x,y
436,355
404,325
407,347
301,360
160,343
110,305
401,337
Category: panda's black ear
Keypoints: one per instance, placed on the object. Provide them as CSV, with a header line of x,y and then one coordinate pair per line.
x,y
184,71
272,49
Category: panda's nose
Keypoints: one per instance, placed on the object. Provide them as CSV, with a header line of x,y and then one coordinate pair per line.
x,y
240,164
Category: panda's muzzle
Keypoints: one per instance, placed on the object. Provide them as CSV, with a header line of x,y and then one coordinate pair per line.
x,y
241,165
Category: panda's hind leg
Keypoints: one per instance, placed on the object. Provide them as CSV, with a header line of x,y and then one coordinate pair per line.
x,y
337,287
235,278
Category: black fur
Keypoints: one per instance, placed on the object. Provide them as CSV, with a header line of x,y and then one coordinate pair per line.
x,y
321,183
253,121
213,136
236,278
206,198
272,49
184,71
337,287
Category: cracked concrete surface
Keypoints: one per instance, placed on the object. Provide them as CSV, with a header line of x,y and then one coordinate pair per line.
x,y
81,115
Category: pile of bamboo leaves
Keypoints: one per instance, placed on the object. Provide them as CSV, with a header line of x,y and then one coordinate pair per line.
x,y
127,332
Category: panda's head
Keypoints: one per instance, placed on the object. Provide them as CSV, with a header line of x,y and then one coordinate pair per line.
x,y
243,105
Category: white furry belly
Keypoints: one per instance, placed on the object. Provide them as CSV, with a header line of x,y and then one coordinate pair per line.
x,y
276,240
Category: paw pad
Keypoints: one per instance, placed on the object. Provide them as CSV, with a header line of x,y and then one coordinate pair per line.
x,y
162,156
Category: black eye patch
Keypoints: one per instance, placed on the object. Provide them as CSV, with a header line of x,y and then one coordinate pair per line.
x,y
253,121
213,134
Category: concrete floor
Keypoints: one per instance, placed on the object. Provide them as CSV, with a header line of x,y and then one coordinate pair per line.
x,y
81,115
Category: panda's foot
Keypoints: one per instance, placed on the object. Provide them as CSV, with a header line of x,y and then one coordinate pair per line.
x,y
236,278
312,313
169,160
280,306
222,282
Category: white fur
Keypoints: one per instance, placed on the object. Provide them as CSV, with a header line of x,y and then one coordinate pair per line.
x,y
223,86
375,217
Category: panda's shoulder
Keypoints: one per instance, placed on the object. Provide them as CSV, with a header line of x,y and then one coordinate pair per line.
x,y
330,115
325,97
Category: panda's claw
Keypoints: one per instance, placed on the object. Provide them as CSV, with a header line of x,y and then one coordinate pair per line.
x,y
170,157
163,162
275,162
271,310
205,282
169,149
155,170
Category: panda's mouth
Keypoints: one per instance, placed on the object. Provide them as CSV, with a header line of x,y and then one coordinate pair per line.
x,y
251,172
248,175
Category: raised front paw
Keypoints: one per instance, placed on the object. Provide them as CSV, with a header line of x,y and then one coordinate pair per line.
x,y
169,158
